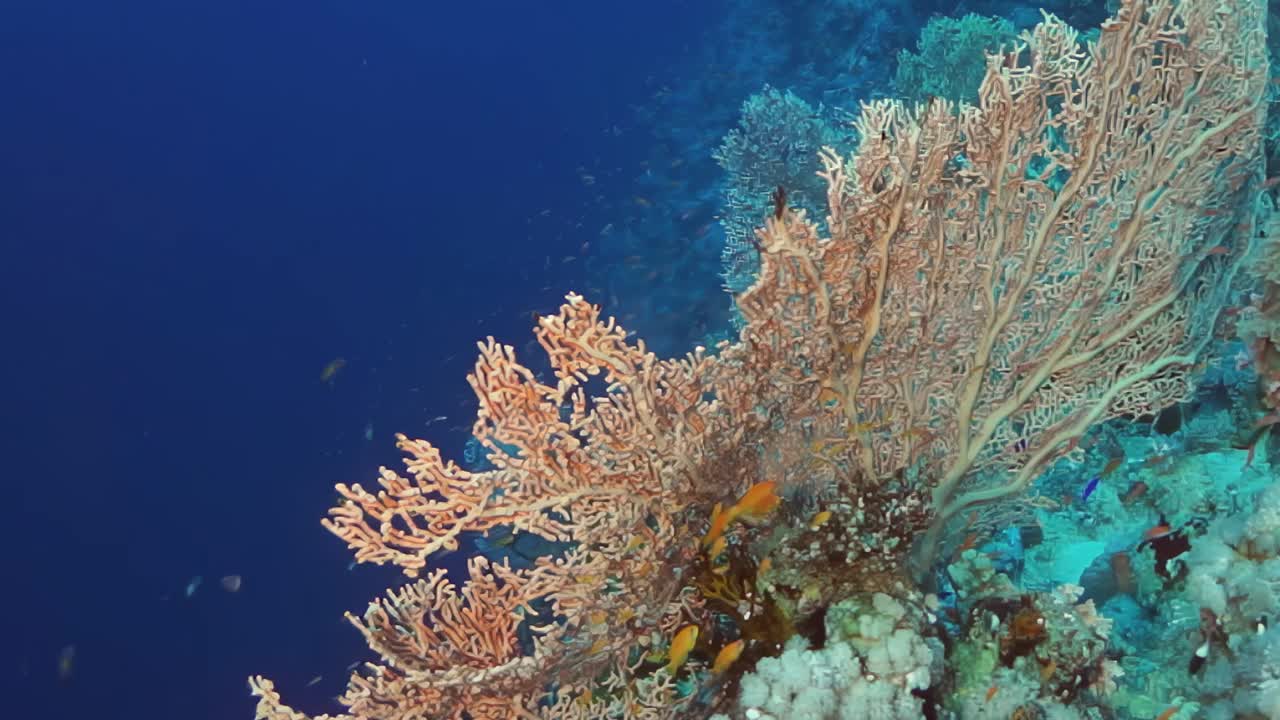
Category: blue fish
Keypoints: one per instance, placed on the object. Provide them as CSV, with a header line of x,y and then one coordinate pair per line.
x,y
1088,489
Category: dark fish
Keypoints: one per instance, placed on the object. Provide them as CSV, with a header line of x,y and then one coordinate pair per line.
x,y
1198,658
1090,488
779,198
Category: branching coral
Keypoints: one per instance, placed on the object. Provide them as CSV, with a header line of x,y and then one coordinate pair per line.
x,y
993,279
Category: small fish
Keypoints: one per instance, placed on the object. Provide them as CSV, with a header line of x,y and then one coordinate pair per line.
x,y
970,541
315,680
1168,713
1199,658
758,501
779,198
368,431
1090,488
1135,491
1112,464
681,645
1122,572
717,547
500,541
66,662
193,585
765,566
331,370
727,656
232,583
720,520
820,519
991,692
1217,250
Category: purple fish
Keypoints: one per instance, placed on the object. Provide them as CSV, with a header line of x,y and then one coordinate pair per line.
x,y
1088,489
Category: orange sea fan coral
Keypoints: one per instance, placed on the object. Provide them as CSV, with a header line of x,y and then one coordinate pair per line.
x,y
996,276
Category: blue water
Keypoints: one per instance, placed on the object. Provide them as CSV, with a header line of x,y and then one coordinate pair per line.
x,y
202,205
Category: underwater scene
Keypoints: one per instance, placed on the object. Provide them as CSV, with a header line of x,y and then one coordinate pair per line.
x,y
757,360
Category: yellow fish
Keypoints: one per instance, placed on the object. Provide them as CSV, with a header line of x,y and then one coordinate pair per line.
x,y
727,656
633,544
820,519
681,644
331,370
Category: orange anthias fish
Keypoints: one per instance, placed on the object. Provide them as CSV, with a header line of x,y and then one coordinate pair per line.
x,y
681,644
717,547
758,501
720,521
727,656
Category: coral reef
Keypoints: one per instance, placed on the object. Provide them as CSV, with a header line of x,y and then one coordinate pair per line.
x,y
951,57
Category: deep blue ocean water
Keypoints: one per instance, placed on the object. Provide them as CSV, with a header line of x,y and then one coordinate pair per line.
x,y
201,206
